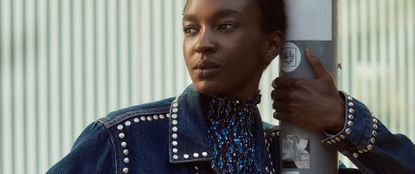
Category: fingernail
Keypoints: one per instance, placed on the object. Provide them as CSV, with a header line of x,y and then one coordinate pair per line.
x,y
308,50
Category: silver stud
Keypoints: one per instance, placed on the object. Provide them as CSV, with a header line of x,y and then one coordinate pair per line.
x,y
155,117
174,143
372,140
149,118
338,139
174,136
125,151
350,123
204,154
369,147
175,105
143,118
174,122
348,131
136,120
175,110
120,127
175,157
195,155
125,170
185,156
121,135
374,133
355,155
350,116
351,104
168,115
349,98
174,129
351,110
375,126
174,116
127,123
175,150
161,116
126,160
375,121
123,144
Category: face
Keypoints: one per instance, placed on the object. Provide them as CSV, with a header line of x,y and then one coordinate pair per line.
x,y
224,47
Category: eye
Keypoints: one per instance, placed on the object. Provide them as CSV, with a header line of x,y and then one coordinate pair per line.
x,y
189,30
227,27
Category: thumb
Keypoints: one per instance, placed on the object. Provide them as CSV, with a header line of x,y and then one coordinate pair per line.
x,y
316,65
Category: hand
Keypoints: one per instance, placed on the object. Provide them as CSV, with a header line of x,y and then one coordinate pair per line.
x,y
310,104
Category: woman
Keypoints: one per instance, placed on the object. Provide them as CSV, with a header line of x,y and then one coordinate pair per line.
x,y
214,126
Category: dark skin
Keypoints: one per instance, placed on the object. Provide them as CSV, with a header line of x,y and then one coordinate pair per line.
x,y
226,52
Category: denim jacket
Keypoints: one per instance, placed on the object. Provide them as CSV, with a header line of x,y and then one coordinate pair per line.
x,y
170,137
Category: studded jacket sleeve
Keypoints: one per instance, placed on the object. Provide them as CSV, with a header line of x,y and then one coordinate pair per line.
x,y
91,153
370,145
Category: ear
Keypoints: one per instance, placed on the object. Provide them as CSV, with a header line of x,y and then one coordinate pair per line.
x,y
273,45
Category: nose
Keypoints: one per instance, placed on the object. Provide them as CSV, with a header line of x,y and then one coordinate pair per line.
x,y
205,44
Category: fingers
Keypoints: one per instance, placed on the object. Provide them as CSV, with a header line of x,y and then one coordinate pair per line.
x,y
284,82
316,65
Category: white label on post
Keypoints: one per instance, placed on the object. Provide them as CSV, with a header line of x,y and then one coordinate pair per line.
x,y
309,20
290,57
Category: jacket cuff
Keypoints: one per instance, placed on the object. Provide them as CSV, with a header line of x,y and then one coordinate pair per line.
x,y
359,131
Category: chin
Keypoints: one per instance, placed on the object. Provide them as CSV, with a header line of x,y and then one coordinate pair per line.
x,y
209,87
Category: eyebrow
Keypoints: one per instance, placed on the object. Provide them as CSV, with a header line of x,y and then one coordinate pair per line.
x,y
219,14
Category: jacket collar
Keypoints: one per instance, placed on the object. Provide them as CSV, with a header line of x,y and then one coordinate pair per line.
x,y
188,135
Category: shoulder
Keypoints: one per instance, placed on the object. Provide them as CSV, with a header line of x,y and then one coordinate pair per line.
x,y
161,107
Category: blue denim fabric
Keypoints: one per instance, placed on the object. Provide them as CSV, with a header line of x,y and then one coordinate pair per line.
x,y
170,137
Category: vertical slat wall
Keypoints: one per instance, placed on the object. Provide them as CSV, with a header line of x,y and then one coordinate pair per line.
x,y
63,64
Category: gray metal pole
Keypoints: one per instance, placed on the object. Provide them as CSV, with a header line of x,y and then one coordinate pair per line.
x,y
311,24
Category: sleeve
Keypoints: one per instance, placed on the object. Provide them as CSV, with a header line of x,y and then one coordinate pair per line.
x,y
369,144
92,152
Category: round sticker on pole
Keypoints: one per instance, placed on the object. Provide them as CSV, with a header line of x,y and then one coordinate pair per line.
x,y
290,57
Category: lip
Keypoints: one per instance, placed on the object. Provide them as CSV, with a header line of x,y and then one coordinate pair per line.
x,y
206,68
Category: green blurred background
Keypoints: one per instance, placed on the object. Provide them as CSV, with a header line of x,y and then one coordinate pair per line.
x,y
65,63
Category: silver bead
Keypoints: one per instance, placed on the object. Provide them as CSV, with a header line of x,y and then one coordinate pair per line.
x,y
174,116
351,110
350,123
120,127
375,121
355,155
174,143
123,144
161,116
374,133
175,105
372,140
185,156
175,157
174,122
121,135
349,98
348,131
127,123
125,170
369,147
175,110
174,129
143,118
195,155
351,104
155,117
375,126
175,150
126,160
136,120
174,136
168,115
149,118
125,152
204,154
350,116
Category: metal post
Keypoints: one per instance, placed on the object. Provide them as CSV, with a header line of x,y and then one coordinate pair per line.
x,y
311,24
